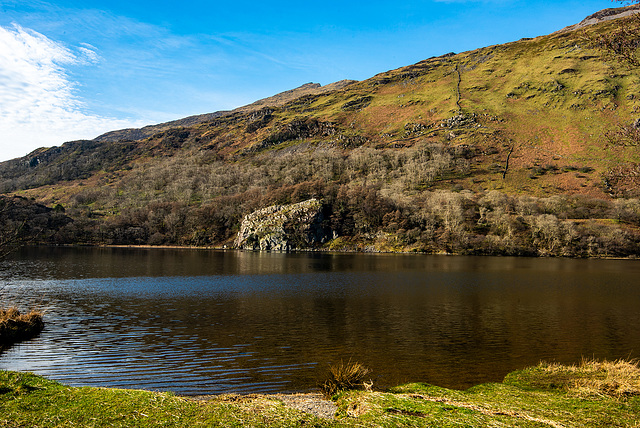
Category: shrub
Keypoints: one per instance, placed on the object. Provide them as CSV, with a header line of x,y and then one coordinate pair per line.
x,y
15,326
344,377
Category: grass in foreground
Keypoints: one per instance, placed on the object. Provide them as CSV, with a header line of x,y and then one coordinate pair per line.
x,y
15,326
618,379
345,376
548,395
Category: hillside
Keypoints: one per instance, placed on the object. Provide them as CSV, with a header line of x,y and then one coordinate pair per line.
x,y
134,134
519,148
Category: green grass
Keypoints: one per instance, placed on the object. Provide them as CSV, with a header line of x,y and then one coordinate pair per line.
x,y
27,400
548,395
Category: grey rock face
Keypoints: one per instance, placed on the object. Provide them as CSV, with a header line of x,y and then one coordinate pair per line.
x,y
283,227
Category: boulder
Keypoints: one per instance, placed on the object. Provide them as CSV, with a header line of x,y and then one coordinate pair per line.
x,y
284,228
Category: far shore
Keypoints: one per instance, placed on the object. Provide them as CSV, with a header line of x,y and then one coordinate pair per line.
x,y
325,251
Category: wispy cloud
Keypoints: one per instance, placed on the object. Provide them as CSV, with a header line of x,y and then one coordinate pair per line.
x,y
38,102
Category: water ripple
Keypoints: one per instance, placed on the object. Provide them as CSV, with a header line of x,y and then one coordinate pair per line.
x,y
218,323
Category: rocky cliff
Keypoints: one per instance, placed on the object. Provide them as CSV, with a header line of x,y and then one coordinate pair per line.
x,y
283,227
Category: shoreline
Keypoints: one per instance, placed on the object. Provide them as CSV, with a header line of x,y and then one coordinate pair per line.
x,y
592,394
324,251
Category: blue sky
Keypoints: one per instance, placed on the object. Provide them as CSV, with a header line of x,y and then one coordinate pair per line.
x,y
73,69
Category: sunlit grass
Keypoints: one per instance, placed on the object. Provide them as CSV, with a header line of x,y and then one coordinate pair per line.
x,y
547,395
592,378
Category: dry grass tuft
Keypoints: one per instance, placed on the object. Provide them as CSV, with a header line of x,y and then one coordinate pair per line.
x,y
593,378
15,326
345,376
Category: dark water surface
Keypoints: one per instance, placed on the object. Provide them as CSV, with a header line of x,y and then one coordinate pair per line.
x,y
206,322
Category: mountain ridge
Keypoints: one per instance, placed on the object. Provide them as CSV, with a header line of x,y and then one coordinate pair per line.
x,y
603,16
134,134
514,149
314,88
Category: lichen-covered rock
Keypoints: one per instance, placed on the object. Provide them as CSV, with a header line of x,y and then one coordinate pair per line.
x,y
283,227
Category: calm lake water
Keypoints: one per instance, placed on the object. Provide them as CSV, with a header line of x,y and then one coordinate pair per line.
x,y
207,322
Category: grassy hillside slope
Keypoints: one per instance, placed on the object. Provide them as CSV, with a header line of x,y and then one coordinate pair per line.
x,y
508,149
275,100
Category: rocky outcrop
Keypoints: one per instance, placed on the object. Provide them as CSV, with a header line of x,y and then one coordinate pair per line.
x,y
460,121
283,227
293,94
298,128
603,15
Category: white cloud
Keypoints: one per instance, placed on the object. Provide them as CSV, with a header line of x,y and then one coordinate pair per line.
x,y
39,106
89,53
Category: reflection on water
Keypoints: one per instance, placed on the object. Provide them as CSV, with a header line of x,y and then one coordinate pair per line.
x,y
198,322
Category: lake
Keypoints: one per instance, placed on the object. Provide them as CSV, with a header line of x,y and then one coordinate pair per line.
x,y
209,322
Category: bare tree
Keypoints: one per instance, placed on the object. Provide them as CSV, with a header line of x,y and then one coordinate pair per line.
x,y
9,231
24,222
